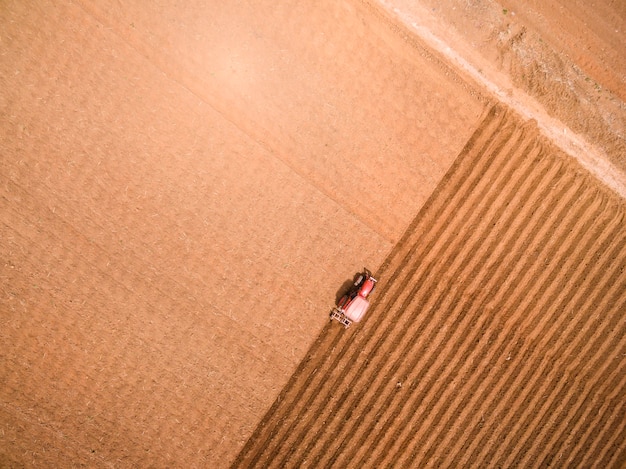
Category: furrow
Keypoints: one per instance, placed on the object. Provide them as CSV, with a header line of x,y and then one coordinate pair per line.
x,y
381,339
304,399
502,409
393,359
402,351
608,416
520,437
515,419
617,428
548,409
461,181
401,426
510,265
591,425
470,398
558,440
488,343
301,380
542,452
442,198
489,383
460,190
508,384
523,408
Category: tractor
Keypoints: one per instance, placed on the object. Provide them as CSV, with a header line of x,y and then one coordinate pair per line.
x,y
352,306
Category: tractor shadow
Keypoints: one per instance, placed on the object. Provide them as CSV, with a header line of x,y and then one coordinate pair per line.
x,y
346,287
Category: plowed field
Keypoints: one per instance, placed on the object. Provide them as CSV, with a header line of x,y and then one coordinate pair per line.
x,y
498,340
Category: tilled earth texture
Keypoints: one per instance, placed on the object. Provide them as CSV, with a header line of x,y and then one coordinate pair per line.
x,y
185,186
499,337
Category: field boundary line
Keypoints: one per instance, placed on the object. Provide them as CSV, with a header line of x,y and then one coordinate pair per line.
x,y
590,156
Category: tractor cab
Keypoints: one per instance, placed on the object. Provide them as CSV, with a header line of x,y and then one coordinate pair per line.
x,y
354,304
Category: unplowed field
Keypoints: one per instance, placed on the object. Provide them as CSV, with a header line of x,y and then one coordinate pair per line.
x,y
182,191
497,341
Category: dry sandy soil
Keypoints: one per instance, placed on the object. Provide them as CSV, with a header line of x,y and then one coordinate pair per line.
x,y
498,340
184,188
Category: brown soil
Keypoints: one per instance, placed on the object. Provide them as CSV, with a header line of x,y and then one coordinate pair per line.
x,y
498,340
560,63
184,188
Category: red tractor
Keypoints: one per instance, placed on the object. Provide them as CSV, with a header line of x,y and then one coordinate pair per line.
x,y
353,305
